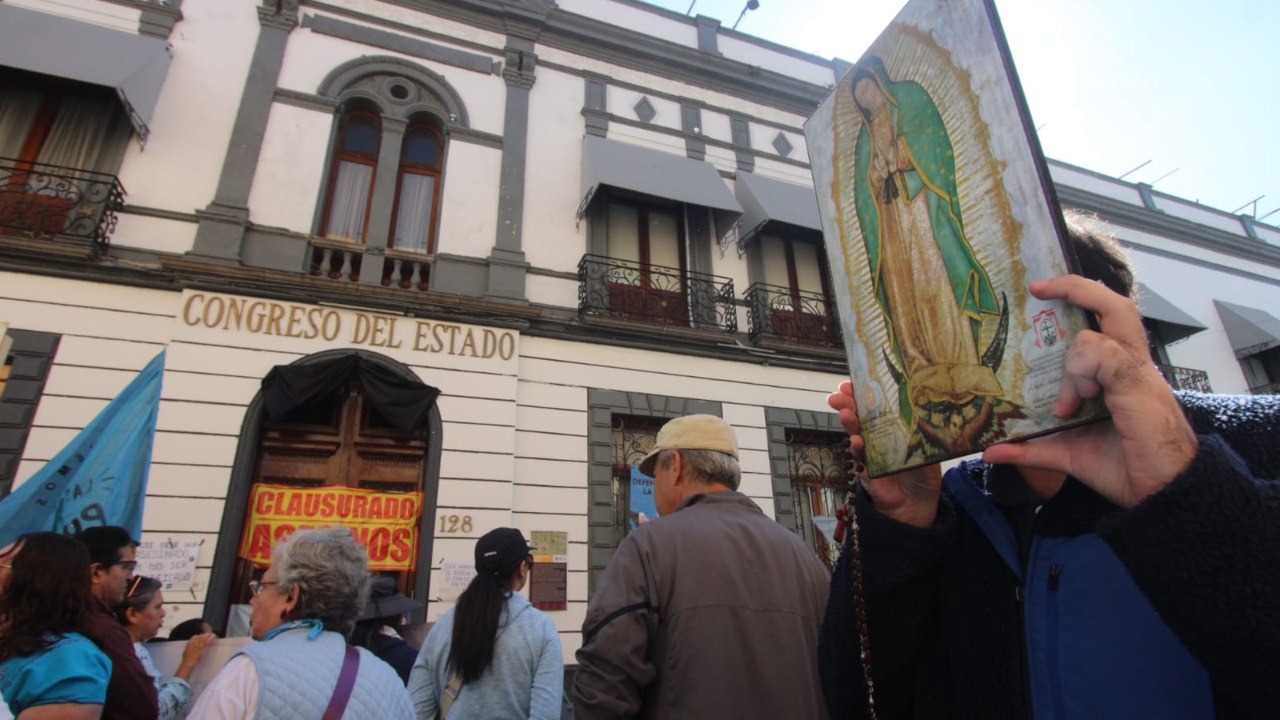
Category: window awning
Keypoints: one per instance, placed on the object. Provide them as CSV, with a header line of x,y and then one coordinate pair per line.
x,y
1176,323
135,65
766,201
1250,330
652,172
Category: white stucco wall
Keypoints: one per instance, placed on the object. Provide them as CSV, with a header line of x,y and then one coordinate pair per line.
x,y
552,237
1193,288
104,14
311,57
287,187
469,201
637,19
179,167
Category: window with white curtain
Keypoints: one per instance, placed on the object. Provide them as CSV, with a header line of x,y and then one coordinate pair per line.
x,y
56,122
351,185
417,189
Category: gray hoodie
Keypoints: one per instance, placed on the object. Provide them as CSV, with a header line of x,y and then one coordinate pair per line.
x,y
526,679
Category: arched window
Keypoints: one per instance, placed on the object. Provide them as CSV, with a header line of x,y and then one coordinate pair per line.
x,y
417,189
355,159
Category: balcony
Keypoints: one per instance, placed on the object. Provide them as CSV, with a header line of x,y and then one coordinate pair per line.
x,y
50,201
628,291
776,314
1180,378
341,260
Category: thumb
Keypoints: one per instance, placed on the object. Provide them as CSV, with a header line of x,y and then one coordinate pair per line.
x,y
1042,453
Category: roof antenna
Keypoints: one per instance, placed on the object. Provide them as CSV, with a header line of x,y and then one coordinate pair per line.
x,y
1134,170
751,5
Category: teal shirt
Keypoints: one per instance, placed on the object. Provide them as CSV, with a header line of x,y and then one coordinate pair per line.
x,y
71,670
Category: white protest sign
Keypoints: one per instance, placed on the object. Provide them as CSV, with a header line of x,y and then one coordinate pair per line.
x,y
168,655
457,576
172,562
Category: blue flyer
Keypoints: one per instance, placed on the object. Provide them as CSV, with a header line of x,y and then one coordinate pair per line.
x,y
643,509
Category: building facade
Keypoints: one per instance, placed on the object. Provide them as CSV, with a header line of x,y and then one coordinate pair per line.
x,y
574,219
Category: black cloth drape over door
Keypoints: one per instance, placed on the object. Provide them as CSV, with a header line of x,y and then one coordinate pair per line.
x,y
404,402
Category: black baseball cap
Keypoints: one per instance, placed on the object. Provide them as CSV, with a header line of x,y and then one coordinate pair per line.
x,y
500,550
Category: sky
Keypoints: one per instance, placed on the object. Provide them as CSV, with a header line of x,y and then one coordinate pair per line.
x,y
1191,88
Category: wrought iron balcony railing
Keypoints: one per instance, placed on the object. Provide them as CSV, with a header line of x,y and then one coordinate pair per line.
x,y
778,313
627,290
1181,378
41,200
342,260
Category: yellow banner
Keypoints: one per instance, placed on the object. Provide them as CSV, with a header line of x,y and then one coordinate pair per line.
x,y
385,523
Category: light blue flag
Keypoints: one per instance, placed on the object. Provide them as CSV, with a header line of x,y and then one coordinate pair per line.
x,y
100,477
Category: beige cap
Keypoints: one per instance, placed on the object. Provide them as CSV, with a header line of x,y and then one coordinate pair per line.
x,y
692,432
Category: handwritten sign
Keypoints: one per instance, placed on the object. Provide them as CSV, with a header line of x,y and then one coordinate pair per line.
x,y
172,562
457,576
385,523
167,657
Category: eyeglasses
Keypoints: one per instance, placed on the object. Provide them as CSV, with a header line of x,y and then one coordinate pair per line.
x,y
137,580
529,561
257,586
128,565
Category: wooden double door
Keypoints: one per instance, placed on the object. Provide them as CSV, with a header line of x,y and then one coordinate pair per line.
x,y
338,440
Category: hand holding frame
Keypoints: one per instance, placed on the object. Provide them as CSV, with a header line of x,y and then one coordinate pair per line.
x,y
909,497
1147,442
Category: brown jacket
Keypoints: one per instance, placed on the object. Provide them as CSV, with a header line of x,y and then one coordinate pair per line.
x,y
712,612
131,694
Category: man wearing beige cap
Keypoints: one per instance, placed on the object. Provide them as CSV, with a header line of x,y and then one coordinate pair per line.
x,y
710,611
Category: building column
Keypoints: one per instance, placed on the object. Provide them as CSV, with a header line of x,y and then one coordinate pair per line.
x,y
223,223
384,198
507,265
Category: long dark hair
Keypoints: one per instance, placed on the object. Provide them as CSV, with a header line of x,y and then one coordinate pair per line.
x,y
47,594
475,622
138,596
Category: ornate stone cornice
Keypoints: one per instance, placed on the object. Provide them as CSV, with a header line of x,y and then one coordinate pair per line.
x,y
520,67
478,137
279,14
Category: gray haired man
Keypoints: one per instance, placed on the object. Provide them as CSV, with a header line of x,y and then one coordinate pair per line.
x,y
713,609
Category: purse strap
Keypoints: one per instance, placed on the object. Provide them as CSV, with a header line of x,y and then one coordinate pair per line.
x,y
346,681
450,694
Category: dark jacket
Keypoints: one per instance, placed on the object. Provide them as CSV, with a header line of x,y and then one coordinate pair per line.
x,y
131,694
711,612
397,653
948,615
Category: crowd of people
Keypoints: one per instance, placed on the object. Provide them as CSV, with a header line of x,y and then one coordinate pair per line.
x,y
1123,569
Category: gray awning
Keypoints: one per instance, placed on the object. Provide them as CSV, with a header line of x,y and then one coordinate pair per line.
x,y
767,201
135,65
651,172
1250,330
1175,323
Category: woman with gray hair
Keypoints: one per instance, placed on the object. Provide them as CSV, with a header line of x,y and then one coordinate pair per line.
x,y
302,666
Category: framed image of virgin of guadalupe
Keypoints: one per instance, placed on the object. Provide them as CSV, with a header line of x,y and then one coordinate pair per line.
x,y
938,211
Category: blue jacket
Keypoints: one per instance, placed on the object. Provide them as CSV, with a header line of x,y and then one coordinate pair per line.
x,y
1087,659
526,679
1082,609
